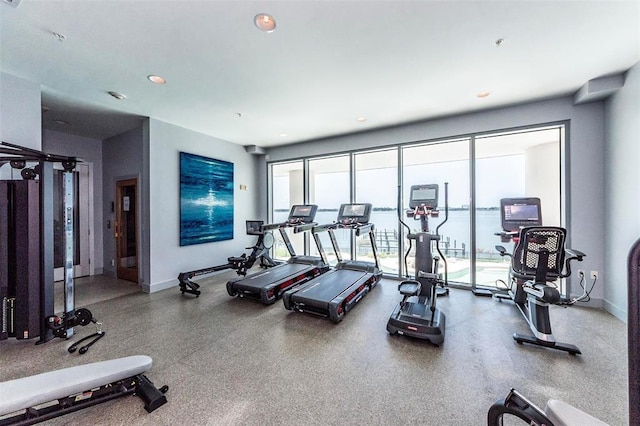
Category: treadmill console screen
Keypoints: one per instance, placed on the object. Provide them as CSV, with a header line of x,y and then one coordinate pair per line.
x,y
424,195
254,227
520,212
302,213
354,213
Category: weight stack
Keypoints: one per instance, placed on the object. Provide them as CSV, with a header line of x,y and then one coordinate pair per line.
x,y
23,253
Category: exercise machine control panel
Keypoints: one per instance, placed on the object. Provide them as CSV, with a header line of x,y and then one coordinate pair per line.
x,y
302,213
254,227
517,213
423,201
354,214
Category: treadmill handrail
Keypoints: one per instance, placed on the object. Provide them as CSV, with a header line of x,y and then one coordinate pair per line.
x,y
304,227
280,225
322,228
359,227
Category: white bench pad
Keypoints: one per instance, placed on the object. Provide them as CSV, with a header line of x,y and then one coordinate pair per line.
x,y
30,391
563,414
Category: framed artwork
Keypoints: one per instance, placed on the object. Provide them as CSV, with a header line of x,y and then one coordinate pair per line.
x,y
206,199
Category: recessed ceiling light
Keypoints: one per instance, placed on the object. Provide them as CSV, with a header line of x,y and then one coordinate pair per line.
x,y
265,22
14,3
483,94
499,42
117,95
64,123
284,135
156,79
361,119
60,37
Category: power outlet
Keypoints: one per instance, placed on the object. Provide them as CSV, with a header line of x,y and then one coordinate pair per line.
x,y
594,275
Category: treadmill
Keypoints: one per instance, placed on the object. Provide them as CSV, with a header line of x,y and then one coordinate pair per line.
x,y
336,292
268,285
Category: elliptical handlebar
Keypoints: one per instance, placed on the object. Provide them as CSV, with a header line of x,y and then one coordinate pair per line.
x,y
446,217
446,208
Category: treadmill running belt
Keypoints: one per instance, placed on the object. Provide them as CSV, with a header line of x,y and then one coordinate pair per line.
x,y
271,275
328,286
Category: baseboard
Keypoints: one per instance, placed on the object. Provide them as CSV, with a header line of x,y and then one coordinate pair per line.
x,y
614,310
170,283
153,288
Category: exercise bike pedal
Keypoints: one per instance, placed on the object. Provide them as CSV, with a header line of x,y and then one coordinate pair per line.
x,y
409,288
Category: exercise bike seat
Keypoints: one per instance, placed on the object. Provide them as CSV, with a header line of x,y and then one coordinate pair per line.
x,y
562,414
409,288
542,291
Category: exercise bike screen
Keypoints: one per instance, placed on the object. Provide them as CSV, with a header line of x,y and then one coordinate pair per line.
x,y
522,212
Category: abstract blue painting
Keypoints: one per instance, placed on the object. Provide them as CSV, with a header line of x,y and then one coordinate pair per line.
x,y
206,199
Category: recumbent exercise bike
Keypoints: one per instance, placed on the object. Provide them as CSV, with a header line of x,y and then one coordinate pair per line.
x,y
538,260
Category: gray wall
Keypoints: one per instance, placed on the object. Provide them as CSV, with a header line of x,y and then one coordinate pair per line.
x,y
167,258
585,171
121,159
621,209
90,150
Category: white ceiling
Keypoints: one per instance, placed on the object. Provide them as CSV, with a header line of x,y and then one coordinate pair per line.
x,y
327,62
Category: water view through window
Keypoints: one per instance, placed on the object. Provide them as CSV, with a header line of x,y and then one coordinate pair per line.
x,y
504,165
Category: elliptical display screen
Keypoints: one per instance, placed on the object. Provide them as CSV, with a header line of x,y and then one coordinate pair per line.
x,y
359,213
520,212
303,213
424,195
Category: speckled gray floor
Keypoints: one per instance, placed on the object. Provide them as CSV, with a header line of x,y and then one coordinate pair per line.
x,y
232,361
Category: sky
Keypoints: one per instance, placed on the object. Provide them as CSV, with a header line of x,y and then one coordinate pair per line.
x,y
497,177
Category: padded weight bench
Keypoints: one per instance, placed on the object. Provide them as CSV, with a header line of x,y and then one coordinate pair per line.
x,y
555,413
44,396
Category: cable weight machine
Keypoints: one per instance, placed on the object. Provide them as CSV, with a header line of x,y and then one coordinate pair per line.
x,y
29,311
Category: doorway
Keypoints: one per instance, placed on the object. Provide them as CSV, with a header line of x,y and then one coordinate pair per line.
x,y
126,231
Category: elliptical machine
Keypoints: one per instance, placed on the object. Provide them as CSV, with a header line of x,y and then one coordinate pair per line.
x,y
538,260
417,315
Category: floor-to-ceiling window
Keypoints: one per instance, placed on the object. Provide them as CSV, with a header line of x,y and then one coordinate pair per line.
x,y
440,163
480,170
329,187
287,189
376,182
512,165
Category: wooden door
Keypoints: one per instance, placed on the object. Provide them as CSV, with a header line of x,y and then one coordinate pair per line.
x,y
126,230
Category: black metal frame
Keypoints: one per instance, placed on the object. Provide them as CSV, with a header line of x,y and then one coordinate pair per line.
x,y
136,385
51,325
539,257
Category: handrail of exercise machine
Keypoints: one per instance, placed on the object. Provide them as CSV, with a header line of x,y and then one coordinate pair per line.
x,y
633,320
